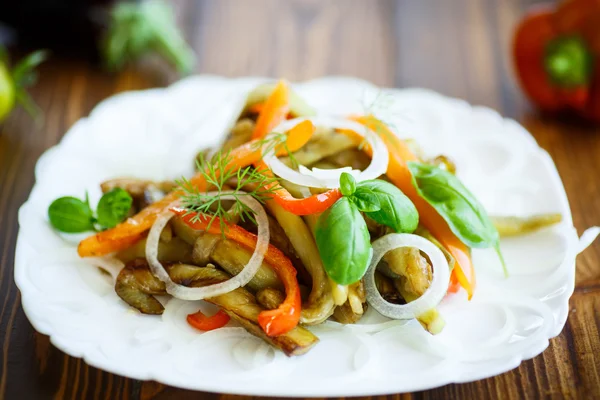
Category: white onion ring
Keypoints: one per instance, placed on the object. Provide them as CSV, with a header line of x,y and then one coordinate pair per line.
x,y
331,180
432,296
241,279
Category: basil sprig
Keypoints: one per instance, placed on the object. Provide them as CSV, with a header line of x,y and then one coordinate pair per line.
x,y
342,235
113,207
72,215
343,242
465,216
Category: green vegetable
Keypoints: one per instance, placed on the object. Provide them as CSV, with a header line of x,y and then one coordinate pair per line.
x,y
140,28
394,208
14,82
465,216
113,207
71,215
347,184
366,200
343,242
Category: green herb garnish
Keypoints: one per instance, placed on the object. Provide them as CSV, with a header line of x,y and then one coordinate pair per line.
x,y
343,241
342,236
465,216
113,207
275,141
72,215
218,173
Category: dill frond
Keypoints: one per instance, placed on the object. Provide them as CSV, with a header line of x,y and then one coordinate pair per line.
x,y
217,172
383,108
275,141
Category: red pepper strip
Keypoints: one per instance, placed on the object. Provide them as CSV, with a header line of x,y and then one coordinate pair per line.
x,y
274,111
400,176
133,229
204,323
317,203
274,322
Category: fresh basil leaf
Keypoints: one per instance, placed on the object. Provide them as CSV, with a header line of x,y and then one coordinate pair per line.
x,y
366,200
465,216
347,184
113,207
395,209
70,215
343,241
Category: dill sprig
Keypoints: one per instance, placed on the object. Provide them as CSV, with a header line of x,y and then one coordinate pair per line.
x,y
383,108
218,172
273,142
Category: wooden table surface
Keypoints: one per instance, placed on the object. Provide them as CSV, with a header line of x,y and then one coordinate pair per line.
x,y
459,48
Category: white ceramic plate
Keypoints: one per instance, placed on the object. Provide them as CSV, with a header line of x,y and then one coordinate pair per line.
x,y
155,134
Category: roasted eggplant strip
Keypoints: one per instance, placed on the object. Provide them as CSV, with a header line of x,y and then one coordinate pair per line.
x,y
386,288
352,157
240,134
137,285
410,265
232,257
143,192
357,297
431,320
515,226
415,276
324,143
344,314
279,239
270,298
320,301
136,187
319,305
175,250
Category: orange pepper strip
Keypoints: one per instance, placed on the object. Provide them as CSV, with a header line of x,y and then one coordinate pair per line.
x,y
133,229
400,175
285,317
256,108
273,112
205,323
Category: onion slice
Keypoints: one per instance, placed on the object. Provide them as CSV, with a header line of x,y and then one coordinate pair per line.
x,y
331,178
432,296
241,279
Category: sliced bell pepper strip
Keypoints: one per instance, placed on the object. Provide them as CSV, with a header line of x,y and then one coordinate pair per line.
x,y
315,204
133,229
400,175
203,322
273,112
273,322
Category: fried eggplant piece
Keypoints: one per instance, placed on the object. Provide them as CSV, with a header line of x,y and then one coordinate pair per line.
x,y
137,285
515,226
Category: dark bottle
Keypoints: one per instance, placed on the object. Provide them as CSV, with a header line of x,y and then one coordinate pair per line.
x,y
67,27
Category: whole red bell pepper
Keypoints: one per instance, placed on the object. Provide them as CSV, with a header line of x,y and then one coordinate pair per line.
x,y
556,57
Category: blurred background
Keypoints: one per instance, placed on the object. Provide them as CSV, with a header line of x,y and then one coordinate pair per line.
x,y
461,48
